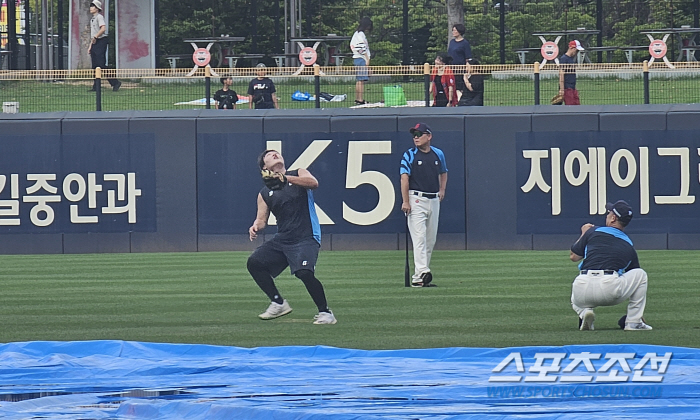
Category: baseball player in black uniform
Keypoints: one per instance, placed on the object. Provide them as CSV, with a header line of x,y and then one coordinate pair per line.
x,y
609,270
288,195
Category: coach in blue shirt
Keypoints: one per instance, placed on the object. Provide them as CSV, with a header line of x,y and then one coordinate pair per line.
x,y
423,181
609,271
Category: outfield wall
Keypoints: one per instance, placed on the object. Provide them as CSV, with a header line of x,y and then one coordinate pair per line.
x,y
519,177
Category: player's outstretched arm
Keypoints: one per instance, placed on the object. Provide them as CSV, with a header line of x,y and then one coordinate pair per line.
x,y
260,219
305,179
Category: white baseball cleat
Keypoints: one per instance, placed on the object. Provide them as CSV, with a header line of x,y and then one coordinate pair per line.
x,y
275,310
587,320
637,326
325,318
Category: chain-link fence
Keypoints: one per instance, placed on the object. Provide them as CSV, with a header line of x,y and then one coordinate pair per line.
x,y
331,87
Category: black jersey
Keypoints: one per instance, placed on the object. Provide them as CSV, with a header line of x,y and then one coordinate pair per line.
x,y
424,169
261,90
294,208
226,98
606,248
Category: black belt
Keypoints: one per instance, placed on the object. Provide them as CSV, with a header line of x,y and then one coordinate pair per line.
x,y
425,195
598,272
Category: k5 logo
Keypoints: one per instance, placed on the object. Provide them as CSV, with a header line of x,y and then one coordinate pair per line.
x,y
354,177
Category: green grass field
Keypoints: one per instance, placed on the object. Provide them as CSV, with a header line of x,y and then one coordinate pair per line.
x,y
72,95
484,299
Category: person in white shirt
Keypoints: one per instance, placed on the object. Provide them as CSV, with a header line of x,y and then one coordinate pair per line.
x,y
360,57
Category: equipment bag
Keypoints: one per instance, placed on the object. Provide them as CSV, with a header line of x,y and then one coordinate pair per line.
x,y
394,96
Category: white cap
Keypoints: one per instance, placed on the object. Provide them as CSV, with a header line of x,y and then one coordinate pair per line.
x,y
576,44
96,3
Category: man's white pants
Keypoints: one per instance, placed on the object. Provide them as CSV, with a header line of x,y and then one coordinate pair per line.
x,y
423,226
591,290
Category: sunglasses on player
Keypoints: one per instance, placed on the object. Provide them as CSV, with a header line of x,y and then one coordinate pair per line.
x,y
417,133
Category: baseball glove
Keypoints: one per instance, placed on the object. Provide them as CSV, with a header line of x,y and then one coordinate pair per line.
x,y
558,99
273,180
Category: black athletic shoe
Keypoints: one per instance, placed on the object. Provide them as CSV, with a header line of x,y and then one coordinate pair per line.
x,y
117,86
427,278
621,321
92,90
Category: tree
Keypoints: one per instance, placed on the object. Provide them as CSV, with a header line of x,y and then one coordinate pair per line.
x,y
455,15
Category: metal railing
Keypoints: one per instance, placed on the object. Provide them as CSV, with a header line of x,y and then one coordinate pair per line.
x,y
331,87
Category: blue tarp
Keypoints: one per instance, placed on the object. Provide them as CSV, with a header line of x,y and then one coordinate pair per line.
x,y
128,380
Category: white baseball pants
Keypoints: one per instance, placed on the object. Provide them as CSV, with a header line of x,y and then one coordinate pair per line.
x,y
591,290
423,226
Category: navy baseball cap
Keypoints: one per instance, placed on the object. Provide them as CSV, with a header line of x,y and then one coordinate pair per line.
x,y
422,127
622,210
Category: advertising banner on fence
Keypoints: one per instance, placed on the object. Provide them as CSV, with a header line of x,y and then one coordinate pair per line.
x,y
77,184
358,174
563,184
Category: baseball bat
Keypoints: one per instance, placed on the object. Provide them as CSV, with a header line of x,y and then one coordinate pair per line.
x,y
407,273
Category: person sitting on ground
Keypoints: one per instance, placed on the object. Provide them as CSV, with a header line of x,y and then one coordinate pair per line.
x,y
473,86
442,82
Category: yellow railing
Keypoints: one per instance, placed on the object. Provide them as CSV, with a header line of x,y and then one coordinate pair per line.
x,y
410,70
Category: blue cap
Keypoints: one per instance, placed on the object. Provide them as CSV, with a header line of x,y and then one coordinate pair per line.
x,y
621,209
422,127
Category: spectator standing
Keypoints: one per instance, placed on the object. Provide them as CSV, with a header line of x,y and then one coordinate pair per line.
x,y
261,90
423,182
360,57
567,74
98,43
459,49
442,82
473,86
225,97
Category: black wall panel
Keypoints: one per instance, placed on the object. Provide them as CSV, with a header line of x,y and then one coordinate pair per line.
x,y
12,127
176,185
205,177
490,162
102,131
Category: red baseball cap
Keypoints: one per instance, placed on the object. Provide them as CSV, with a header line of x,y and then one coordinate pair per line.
x,y
576,44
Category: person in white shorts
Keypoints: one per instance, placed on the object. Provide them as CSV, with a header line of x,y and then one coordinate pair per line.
x,y
609,271
423,181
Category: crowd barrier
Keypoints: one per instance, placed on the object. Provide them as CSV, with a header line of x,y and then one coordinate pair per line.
x,y
519,177
334,87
